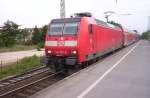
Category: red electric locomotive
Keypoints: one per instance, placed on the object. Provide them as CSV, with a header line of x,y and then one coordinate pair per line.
x,y
77,40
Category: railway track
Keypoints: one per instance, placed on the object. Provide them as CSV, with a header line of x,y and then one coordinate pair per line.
x,y
27,84
17,81
33,87
14,79
33,81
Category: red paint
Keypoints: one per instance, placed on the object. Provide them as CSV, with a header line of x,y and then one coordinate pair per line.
x,y
102,39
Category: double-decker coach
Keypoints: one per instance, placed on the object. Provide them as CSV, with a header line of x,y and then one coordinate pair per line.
x,y
130,36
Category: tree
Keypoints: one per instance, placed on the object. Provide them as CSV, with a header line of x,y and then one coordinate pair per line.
x,y
39,34
36,36
1,39
43,32
146,35
8,33
22,36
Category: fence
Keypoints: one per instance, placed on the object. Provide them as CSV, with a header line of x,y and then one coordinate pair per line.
x,y
5,64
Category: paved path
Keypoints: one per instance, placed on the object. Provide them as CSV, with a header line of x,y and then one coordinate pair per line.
x,y
9,57
124,74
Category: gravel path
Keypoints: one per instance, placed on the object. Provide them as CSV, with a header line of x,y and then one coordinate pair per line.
x,y
10,57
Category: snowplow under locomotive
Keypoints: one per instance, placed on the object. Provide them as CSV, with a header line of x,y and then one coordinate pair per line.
x,y
77,40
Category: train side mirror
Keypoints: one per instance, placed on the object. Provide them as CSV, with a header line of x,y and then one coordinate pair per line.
x,y
90,28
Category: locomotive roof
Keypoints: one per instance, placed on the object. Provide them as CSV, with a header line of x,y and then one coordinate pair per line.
x,y
66,20
100,22
85,14
77,19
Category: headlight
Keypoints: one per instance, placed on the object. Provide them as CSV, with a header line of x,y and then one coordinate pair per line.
x,y
49,51
74,52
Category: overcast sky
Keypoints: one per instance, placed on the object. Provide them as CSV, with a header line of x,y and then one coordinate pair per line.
x,y
29,13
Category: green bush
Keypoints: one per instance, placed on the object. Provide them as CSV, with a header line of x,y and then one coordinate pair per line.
x,y
40,45
146,35
28,42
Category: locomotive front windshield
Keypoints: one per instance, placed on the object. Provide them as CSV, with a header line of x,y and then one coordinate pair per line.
x,y
63,28
55,29
70,28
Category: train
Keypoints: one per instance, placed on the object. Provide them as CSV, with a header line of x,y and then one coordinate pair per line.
x,y
78,40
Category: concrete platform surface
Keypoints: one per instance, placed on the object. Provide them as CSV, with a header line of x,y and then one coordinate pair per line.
x,y
124,74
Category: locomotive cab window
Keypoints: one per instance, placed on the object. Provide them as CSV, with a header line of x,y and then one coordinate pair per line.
x,y
63,28
55,29
71,28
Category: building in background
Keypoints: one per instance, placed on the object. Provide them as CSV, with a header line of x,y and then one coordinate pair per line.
x,y
30,33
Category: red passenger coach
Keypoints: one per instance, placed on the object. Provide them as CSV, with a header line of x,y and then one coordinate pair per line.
x,y
78,40
130,37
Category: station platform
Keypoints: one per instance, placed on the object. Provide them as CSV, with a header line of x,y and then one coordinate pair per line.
x,y
124,74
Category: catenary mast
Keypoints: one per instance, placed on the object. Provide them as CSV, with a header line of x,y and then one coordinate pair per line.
x,y
148,23
62,8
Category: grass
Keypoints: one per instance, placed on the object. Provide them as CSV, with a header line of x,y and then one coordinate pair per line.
x,y
19,67
17,48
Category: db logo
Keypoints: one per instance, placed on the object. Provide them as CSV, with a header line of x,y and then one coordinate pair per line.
x,y
61,43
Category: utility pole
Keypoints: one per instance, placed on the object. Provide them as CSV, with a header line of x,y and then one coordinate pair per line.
x,y
62,8
148,28
116,1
